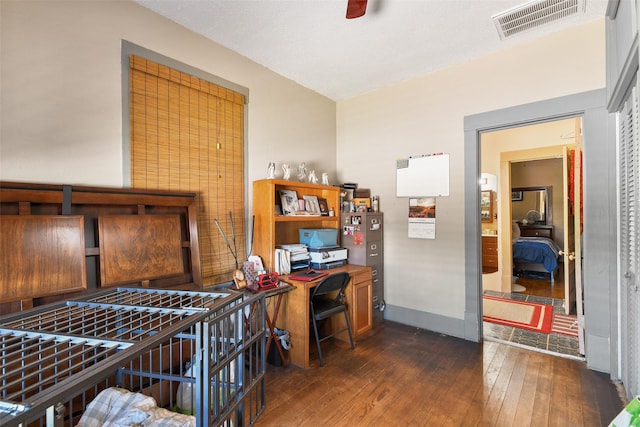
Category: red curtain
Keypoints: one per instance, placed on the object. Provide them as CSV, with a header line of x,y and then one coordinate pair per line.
x,y
572,201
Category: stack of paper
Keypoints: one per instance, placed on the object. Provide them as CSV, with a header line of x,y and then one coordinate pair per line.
x,y
290,258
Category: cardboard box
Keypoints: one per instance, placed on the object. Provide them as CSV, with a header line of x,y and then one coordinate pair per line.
x,y
362,201
363,193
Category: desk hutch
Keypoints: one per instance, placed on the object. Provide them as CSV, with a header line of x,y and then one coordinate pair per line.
x,y
272,228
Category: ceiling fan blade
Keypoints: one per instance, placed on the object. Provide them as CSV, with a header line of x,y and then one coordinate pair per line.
x,y
356,8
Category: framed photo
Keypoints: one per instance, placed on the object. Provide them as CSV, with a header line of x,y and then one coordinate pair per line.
x,y
516,196
289,202
311,205
322,205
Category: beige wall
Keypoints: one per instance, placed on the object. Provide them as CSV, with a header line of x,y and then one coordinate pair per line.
x,y
425,115
61,119
61,99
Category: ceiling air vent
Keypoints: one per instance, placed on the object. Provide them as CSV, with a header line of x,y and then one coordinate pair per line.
x,y
535,14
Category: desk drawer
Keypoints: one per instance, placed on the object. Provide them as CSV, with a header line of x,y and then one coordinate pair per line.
x,y
490,261
362,276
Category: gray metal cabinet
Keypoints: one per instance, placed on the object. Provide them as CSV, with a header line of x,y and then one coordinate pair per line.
x,y
362,236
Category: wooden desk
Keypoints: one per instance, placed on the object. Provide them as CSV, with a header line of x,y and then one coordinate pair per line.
x,y
295,313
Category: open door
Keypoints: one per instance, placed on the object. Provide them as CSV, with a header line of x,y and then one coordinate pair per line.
x,y
576,209
573,232
568,252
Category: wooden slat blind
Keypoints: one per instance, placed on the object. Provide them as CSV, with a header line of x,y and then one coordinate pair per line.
x,y
187,134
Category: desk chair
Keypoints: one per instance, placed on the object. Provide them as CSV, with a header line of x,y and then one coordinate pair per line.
x,y
324,306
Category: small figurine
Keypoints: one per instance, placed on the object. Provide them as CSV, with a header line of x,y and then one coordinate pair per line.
x,y
325,178
286,171
271,170
302,172
313,179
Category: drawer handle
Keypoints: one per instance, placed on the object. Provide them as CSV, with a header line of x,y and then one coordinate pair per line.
x,y
373,254
375,280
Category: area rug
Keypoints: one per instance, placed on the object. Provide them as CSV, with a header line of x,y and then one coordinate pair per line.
x,y
565,325
518,314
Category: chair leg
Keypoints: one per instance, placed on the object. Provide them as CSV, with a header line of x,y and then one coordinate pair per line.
x,y
315,330
346,318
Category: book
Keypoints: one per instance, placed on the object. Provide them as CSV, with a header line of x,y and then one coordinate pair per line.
x,y
289,202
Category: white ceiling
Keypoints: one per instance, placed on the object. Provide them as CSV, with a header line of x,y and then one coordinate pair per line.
x,y
312,43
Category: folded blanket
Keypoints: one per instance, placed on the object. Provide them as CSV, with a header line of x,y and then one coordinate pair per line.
x,y
119,407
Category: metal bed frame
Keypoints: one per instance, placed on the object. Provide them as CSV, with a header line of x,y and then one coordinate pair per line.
x,y
55,359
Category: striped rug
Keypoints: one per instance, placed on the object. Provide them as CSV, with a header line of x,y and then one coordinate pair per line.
x,y
565,325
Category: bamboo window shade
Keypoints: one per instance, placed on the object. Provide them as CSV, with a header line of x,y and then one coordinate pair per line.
x,y
187,134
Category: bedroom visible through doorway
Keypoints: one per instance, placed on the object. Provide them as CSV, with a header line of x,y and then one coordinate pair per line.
x,y
532,157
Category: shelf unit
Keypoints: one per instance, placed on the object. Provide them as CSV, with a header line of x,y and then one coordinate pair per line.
x,y
271,229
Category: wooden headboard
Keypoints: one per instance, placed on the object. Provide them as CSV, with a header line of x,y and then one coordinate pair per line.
x,y
57,240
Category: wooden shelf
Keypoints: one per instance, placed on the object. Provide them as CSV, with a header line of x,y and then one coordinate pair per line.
x,y
298,218
271,229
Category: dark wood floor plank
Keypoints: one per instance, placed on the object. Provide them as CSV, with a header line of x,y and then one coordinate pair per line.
x,y
561,407
514,391
542,395
401,375
498,391
479,412
524,413
458,403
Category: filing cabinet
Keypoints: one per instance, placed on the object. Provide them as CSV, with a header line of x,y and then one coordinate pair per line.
x,y
362,237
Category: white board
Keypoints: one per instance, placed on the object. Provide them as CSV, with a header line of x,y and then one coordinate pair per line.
x,y
423,176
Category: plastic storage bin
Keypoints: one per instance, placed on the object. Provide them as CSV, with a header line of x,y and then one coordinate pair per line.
x,y
319,237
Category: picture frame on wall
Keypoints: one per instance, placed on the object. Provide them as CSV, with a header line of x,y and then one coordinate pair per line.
x,y
516,196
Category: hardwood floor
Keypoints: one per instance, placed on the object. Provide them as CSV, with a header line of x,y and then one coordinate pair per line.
x,y
405,376
543,287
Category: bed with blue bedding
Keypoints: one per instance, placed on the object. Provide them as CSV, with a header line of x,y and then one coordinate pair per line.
x,y
536,254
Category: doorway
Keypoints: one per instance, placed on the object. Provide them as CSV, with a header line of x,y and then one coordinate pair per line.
x,y
531,165
600,263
